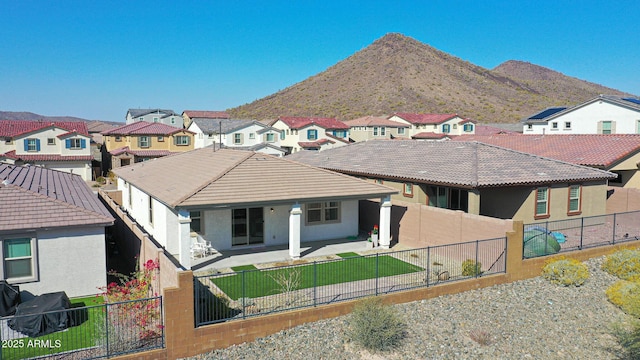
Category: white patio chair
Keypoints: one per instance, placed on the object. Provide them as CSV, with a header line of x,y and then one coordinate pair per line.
x,y
197,250
206,245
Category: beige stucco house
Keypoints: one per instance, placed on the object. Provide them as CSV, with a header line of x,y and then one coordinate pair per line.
x,y
434,126
473,177
376,128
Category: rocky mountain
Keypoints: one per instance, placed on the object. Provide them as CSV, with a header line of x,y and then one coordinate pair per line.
x,y
400,74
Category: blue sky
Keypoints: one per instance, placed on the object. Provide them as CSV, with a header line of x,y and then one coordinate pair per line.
x,y
96,59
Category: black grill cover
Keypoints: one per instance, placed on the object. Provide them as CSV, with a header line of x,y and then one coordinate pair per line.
x,y
42,315
9,298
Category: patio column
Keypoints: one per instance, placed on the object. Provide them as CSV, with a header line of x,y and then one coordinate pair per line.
x,y
294,231
385,222
184,238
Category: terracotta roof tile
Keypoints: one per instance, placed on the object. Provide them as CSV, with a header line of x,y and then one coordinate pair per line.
x,y
144,128
13,128
143,153
46,157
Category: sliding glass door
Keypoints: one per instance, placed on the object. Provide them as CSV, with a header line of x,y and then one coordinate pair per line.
x,y
247,226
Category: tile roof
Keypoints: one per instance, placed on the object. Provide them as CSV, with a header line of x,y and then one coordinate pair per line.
x,y
14,128
374,121
34,197
294,122
99,126
462,164
227,177
315,144
206,114
142,112
590,150
144,128
495,130
46,157
142,153
424,118
430,135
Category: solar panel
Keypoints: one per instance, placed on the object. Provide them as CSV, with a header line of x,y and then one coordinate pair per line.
x,y
546,113
633,100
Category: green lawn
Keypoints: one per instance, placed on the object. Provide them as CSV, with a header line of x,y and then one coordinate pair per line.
x,y
348,255
76,337
259,283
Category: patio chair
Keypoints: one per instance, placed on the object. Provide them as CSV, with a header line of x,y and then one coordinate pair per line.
x,y
197,250
206,245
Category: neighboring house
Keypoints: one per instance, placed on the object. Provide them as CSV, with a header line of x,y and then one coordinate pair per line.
x,y
311,133
434,126
63,146
245,134
618,154
476,178
241,199
167,117
375,128
190,115
52,232
140,141
605,114
95,128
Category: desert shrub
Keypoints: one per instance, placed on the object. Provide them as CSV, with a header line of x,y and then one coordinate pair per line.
x,y
626,295
101,180
629,341
375,326
624,263
566,272
471,268
481,336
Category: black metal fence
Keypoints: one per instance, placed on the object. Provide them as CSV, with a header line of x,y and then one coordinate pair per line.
x,y
261,291
92,332
551,237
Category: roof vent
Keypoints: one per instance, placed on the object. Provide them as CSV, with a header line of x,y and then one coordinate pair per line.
x,y
541,174
6,182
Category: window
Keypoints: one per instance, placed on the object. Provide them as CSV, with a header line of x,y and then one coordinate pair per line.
x,y
542,203
554,125
118,138
446,128
237,139
529,126
150,210
161,138
605,127
468,128
196,221
18,259
271,137
155,119
252,136
143,141
282,135
448,198
173,121
340,133
575,203
435,127
383,131
400,131
379,181
75,144
375,131
31,144
312,134
182,140
323,212
51,141
8,141
408,190
567,125
455,126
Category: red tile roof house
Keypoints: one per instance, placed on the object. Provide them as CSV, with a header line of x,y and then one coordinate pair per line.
x,y
141,141
63,146
619,154
52,230
434,126
473,177
311,133
240,199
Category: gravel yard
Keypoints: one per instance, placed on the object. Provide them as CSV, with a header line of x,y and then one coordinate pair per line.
x,y
530,319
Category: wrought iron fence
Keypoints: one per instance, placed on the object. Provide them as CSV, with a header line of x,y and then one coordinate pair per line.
x,y
261,291
551,237
92,332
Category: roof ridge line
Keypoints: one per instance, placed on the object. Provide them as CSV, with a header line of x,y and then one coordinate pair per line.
x,y
207,183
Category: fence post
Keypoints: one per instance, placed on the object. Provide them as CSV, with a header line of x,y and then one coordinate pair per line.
x,y
613,240
244,312
315,283
581,232
377,273
196,289
106,325
478,270
428,263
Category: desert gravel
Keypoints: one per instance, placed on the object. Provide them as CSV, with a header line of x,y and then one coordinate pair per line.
x,y
529,319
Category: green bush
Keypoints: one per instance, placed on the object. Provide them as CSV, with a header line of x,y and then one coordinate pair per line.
x,y
624,263
375,326
629,340
471,268
626,295
566,272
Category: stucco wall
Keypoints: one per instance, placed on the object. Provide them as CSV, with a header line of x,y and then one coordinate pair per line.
x,y
72,260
